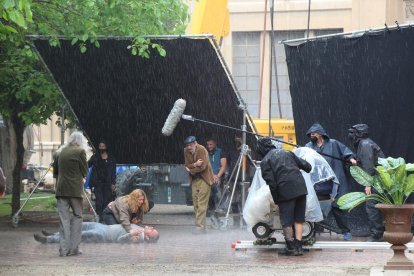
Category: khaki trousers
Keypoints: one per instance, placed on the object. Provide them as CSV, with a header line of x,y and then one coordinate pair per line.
x,y
201,194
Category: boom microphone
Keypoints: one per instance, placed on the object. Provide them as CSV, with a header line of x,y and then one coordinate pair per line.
x,y
174,117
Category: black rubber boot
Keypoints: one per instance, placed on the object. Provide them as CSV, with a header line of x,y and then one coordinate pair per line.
x,y
40,238
299,248
290,249
46,233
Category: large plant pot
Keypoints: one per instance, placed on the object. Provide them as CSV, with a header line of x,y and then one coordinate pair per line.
x,y
397,220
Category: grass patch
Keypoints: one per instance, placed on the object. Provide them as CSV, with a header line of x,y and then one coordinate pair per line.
x,y
40,202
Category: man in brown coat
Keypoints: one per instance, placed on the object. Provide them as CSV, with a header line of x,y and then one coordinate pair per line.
x,y
199,170
73,168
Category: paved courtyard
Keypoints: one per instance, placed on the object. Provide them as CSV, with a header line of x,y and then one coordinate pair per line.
x,y
178,252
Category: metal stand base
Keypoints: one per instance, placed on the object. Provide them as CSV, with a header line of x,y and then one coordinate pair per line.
x,y
15,217
223,222
319,245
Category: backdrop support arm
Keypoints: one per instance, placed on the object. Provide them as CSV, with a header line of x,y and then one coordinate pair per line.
x,y
244,131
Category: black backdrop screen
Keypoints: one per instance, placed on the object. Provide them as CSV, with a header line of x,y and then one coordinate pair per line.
x,y
126,99
342,81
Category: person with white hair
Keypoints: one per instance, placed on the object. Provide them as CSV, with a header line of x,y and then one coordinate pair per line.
x,y
73,167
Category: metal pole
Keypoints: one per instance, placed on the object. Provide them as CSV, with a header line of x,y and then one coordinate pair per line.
x,y
62,127
15,217
355,33
307,32
101,37
244,146
270,68
274,63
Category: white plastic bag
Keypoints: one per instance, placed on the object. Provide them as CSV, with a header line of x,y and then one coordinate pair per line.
x,y
258,203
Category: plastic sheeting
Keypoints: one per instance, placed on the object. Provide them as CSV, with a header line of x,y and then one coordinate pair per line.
x,y
321,171
259,203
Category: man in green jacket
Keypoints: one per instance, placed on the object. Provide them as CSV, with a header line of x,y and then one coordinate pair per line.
x,y
73,168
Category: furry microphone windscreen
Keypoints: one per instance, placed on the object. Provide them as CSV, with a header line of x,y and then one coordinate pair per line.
x,y
174,117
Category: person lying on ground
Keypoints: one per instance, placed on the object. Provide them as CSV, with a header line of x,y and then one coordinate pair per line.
x,y
101,233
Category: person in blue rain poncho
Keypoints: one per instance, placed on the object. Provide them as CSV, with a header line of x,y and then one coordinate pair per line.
x,y
326,146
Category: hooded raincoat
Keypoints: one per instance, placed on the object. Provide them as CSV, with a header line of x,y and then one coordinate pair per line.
x,y
334,148
367,151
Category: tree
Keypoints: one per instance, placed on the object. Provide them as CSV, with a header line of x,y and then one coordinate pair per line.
x,y
27,95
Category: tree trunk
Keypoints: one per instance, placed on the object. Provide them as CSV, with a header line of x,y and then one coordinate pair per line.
x,y
18,126
8,153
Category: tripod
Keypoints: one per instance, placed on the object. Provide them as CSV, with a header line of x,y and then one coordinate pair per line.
x,y
240,166
15,218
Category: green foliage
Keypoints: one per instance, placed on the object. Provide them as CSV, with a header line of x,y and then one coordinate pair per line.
x,y
51,204
392,184
25,88
41,202
27,93
351,200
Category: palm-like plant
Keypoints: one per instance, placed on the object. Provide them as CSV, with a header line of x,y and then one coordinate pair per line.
x,y
392,183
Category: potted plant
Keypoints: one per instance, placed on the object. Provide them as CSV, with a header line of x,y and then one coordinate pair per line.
x,y
393,185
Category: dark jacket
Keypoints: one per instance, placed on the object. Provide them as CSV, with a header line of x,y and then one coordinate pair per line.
x,y
367,155
334,148
72,169
103,172
367,150
281,171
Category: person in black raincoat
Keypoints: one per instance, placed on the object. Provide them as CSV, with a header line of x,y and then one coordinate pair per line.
x,y
103,177
367,153
323,144
281,171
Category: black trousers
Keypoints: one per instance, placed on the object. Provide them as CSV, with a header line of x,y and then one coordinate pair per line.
x,y
375,219
339,215
103,195
340,218
108,217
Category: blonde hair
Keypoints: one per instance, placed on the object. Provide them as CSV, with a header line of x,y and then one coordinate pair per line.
x,y
132,201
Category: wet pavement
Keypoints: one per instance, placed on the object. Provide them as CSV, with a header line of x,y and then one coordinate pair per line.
x,y
178,252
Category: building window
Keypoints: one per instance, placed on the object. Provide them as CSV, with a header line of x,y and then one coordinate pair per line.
x,y
282,76
246,68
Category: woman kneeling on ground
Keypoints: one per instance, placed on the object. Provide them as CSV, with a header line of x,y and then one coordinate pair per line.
x,y
124,208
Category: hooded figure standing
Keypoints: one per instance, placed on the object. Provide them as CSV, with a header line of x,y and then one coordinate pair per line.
x,y
281,171
367,153
323,144
103,177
